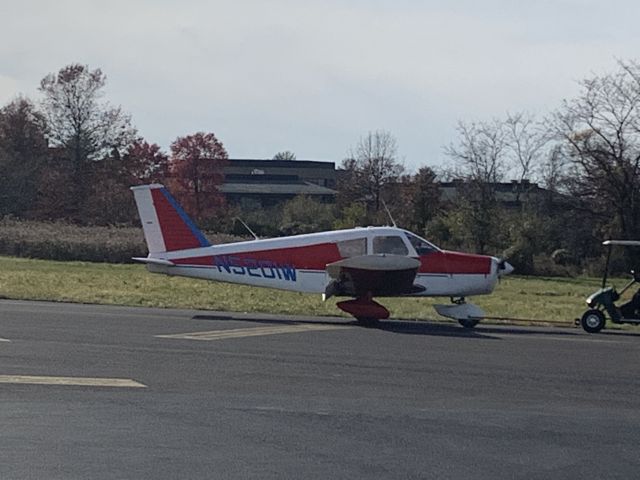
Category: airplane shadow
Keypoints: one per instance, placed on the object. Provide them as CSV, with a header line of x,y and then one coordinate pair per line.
x,y
403,327
434,329
412,327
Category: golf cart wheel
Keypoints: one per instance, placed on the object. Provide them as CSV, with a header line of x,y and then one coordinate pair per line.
x,y
468,322
592,321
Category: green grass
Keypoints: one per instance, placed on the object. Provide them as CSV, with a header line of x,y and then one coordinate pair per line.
x,y
554,300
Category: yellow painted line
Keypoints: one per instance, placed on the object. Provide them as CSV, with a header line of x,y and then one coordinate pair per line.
x,y
75,381
251,332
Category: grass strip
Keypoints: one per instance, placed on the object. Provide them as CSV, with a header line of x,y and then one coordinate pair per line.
x,y
551,300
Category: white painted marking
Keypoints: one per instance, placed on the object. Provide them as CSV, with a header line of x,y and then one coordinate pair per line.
x,y
75,381
251,332
4,340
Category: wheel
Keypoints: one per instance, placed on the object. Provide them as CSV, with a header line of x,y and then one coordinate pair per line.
x,y
367,321
468,322
592,321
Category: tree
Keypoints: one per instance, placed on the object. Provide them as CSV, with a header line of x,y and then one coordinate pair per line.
x,y
373,166
480,155
145,163
81,126
196,165
480,152
76,118
285,155
526,140
303,214
23,149
600,133
420,199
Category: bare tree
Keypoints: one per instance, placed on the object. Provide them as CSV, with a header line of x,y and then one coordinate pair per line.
x,y
553,169
481,158
480,153
526,140
83,129
78,121
284,155
374,164
600,130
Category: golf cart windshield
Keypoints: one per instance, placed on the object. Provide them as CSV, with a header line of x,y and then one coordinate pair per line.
x,y
622,243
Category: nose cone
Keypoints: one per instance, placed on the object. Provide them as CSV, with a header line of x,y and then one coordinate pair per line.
x,y
504,267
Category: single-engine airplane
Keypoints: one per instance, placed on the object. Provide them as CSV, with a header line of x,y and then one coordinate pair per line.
x,y
361,263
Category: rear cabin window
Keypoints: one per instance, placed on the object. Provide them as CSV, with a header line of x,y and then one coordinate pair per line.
x,y
422,246
352,248
389,244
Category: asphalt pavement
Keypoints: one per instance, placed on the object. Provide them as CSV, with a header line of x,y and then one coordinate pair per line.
x,y
98,392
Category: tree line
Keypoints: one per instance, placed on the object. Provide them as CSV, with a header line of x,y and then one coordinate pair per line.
x,y
72,156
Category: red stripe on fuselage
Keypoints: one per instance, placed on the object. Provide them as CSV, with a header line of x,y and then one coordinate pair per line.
x,y
455,263
311,257
175,232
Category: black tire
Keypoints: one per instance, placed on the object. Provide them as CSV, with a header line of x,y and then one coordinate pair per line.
x,y
367,321
592,321
468,322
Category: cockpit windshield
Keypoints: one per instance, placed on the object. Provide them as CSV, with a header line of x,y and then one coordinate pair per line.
x,y
391,244
422,246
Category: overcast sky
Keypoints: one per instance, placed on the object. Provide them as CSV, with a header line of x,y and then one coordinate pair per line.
x,y
313,76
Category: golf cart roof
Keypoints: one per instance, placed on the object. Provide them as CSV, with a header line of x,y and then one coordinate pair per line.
x,y
625,243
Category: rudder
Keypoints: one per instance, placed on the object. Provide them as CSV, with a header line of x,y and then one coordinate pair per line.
x,y
166,225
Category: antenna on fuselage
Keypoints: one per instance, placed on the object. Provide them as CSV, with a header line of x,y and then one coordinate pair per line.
x,y
388,212
247,227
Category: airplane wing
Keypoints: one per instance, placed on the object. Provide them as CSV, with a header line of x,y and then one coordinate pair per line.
x,y
380,275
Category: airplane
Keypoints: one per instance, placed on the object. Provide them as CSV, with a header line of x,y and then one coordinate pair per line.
x,y
360,263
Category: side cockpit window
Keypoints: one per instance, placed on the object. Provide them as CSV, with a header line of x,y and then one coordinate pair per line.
x,y
352,248
422,246
391,244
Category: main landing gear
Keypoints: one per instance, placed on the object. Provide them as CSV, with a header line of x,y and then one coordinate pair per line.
x,y
368,312
365,310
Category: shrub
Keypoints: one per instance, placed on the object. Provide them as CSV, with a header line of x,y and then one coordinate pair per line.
x,y
65,242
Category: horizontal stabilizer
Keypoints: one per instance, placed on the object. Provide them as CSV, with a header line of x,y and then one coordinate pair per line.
x,y
153,261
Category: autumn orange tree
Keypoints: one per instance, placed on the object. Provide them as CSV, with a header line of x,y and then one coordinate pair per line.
x,y
195,167
145,162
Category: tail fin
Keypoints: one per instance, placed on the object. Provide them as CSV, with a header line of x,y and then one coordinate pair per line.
x,y
166,225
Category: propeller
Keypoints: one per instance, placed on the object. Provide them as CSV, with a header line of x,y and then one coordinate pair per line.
x,y
504,267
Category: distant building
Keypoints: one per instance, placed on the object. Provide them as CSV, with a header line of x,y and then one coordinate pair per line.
x,y
264,183
512,194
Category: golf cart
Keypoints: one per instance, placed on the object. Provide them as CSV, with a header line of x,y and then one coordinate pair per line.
x,y
604,300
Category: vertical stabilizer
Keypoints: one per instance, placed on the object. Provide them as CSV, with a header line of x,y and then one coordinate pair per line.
x,y
166,225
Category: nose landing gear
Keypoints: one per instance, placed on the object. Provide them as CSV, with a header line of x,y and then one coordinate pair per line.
x,y
467,314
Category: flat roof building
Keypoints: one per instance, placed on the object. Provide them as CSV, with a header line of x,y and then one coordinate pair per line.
x,y
269,182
